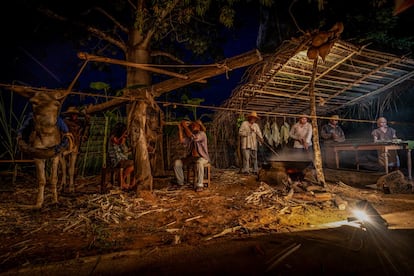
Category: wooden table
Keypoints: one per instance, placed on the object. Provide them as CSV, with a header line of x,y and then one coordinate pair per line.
x,y
382,147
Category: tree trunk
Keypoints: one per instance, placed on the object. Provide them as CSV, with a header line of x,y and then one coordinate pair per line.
x,y
142,168
137,111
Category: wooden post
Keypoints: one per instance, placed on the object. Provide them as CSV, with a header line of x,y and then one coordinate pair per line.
x,y
315,133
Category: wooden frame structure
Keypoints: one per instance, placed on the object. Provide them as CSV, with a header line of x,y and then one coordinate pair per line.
x,y
349,75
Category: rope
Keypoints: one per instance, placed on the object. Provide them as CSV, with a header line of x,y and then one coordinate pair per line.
x,y
236,110
224,65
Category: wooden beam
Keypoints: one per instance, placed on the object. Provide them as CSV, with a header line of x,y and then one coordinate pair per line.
x,y
147,67
229,64
197,75
382,89
27,91
366,76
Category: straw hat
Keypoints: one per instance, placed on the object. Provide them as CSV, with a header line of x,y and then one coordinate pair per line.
x,y
334,117
71,110
253,115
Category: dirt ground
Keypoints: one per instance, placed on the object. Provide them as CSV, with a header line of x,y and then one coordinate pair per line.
x,y
239,225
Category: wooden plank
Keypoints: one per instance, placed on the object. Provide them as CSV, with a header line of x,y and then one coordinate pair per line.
x,y
17,161
352,177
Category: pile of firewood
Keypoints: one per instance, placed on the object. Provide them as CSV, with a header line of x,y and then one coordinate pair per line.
x,y
302,192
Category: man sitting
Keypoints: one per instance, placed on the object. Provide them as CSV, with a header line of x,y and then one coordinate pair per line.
x,y
193,136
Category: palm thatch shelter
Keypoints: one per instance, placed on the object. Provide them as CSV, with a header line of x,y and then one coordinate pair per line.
x,y
350,80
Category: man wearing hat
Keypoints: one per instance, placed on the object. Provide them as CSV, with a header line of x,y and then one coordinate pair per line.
x,y
250,133
331,133
193,136
78,124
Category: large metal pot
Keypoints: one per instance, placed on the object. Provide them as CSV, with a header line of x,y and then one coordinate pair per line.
x,y
290,159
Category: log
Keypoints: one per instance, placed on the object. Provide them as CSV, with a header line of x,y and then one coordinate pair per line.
x,y
340,203
315,188
352,177
318,197
394,181
323,196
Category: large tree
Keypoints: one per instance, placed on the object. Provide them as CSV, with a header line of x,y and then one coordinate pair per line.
x,y
140,32
170,31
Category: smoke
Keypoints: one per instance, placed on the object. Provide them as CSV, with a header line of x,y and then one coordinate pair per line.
x,y
288,154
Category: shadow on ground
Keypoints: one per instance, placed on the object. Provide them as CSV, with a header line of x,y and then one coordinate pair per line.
x,y
343,250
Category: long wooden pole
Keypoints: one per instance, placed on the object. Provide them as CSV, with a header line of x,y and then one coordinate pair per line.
x,y
315,133
146,67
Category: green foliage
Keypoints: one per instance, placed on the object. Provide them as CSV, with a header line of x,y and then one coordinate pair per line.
x,y
194,102
10,122
240,120
201,7
99,86
227,15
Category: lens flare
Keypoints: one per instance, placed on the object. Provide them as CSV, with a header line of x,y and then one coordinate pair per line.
x,y
361,215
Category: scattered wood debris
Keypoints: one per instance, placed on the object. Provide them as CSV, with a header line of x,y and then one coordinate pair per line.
x,y
224,232
269,196
232,205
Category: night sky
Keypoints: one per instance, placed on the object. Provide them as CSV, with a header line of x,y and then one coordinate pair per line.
x,y
48,60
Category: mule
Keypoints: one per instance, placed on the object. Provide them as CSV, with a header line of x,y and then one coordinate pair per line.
x,y
67,161
45,140
78,124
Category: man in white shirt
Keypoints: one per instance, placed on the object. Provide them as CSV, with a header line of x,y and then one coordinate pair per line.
x,y
301,133
250,133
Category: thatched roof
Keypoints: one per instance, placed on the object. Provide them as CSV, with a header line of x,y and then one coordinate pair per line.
x,y
350,75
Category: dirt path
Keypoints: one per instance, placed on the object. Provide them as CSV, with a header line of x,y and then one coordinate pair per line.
x,y
237,219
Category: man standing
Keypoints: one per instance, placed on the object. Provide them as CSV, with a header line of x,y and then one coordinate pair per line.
x,y
382,134
193,136
301,133
331,133
78,124
250,132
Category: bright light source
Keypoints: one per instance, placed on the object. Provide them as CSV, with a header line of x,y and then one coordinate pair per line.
x,y
361,215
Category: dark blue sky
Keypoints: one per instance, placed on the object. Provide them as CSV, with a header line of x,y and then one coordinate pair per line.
x,y
52,62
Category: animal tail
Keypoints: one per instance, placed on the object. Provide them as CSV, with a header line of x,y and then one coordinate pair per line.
x,y
72,147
